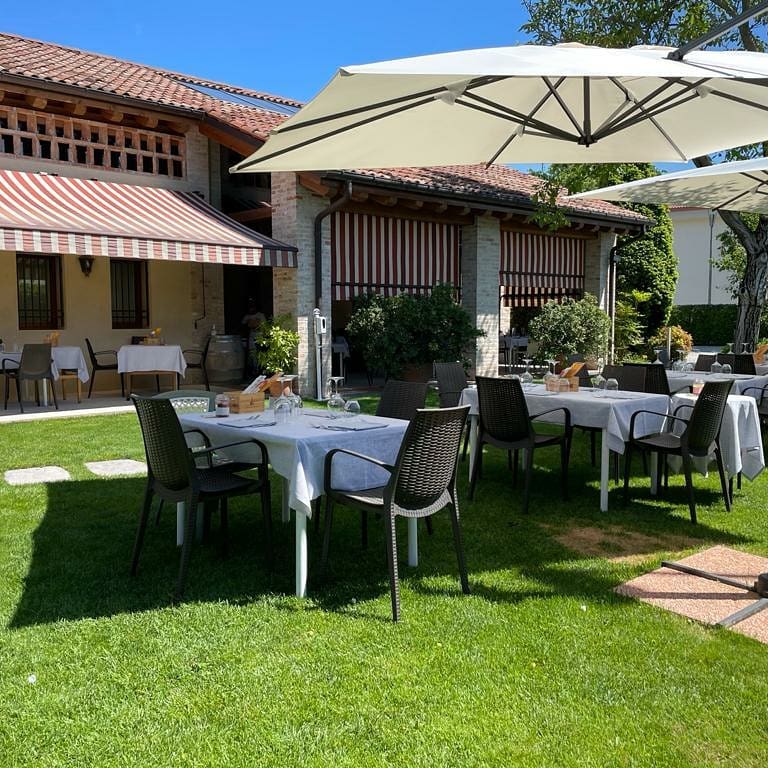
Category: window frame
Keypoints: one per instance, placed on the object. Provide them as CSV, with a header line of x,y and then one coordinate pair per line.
x,y
136,315
25,309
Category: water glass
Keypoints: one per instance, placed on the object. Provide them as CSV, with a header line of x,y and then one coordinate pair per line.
x,y
298,405
598,385
726,368
716,367
698,385
611,386
352,408
282,409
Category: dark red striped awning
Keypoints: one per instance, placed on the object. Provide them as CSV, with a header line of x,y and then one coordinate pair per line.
x,y
536,268
387,255
56,214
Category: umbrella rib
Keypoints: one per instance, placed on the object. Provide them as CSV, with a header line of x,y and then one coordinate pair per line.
x,y
553,90
431,92
753,191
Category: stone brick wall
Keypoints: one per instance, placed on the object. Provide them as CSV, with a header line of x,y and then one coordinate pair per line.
x,y
596,257
480,248
294,209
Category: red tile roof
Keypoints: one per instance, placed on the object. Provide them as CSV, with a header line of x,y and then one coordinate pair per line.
x,y
57,64
497,182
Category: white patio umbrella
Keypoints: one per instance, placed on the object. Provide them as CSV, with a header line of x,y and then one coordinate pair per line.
x,y
568,103
737,186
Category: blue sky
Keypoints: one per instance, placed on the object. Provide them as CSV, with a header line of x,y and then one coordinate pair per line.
x,y
288,47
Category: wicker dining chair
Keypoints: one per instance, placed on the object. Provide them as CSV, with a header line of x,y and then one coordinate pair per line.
x,y
98,364
700,438
35,365
401,399
504,422
172,475
451,381
704,362
422,481
744,364
197,359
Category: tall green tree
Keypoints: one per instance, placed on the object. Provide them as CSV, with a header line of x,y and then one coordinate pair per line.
x,y
622,23
647,265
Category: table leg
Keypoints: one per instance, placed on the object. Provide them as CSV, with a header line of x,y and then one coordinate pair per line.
x,y
413,541
180,512
472,442
654,473
301,554
604,470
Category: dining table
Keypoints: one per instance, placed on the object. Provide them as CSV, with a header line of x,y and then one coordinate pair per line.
x,y
297,450
741,442
150,360
609,412
679,380
63,358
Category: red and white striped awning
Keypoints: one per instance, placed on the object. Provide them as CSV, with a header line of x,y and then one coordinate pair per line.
x,y
386,255
56,214
536,268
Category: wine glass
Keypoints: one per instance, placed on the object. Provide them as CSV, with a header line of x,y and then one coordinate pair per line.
x,y
551,362
335,402
527,377
744,348
657,352
730,347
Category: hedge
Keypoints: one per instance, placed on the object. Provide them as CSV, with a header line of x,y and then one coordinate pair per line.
x,y
711,324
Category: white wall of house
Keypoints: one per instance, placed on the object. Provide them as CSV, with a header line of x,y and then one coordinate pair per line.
x,y
695,243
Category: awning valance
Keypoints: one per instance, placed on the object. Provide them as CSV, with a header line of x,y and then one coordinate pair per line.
x,y
56,214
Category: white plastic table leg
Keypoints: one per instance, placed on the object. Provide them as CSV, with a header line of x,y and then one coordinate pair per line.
x,y
301,554
413,541
605,465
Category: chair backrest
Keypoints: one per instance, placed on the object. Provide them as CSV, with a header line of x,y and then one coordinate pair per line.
x,y
656,381
91,353
704,424
631,378
744,364
451,380
168,459
503,410
401,399
189,400
426,463
35,361
704,362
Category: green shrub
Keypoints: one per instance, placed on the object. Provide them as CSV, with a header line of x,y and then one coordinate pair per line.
x,y
276,345
711,324
681,340
571,328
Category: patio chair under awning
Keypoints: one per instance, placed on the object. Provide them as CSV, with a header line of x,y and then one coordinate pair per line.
x,y
54,214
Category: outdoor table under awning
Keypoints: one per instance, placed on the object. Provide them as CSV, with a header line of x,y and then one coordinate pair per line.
x,y
56,214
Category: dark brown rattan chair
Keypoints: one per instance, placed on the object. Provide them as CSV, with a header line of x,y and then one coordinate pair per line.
x,y
656,381
172,475
422,482
100,365
744,364
704,362
401,399
505,423
700,437
35,365
451,381
198,359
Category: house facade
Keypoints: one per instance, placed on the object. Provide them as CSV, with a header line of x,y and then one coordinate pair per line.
x,y
133,130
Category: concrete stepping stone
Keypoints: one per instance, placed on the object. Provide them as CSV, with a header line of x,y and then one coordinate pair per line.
x,y
116,468
33,475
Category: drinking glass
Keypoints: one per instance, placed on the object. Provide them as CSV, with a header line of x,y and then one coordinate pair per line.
x,y
598,385
744,348
335,403
657,352
727,368
527,377
716,367
551,363
730,347
352,408
611,386
283,409
298,405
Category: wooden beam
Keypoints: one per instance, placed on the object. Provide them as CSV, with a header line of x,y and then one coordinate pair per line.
x,y
147,121
37,102
440,207
314,183
360,197
414,205
228,137
2,96
79,108
254,214
114,115
387,200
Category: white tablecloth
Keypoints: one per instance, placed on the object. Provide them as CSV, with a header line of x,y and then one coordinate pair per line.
x,y
762,369
610,413
741,381
741,442
135,358
62,358
297,449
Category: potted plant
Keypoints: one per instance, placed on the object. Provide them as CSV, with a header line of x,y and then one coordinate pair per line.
x,y
401,336
276,345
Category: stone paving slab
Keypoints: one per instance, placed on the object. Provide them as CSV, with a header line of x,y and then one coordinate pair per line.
x,y
116,468
33,475
702,599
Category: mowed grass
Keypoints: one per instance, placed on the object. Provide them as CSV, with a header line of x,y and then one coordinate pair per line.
x,y
543,665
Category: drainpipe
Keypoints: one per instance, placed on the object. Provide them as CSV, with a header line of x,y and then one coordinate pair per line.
x,y
339,203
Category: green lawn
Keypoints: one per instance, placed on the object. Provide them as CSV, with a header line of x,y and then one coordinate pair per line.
x,y
543,665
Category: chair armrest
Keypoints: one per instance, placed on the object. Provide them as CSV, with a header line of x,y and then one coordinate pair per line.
x,y
332,453
680,408
566,411
192,351
200,432
655,413
250,441
10,360
762,391
106,352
